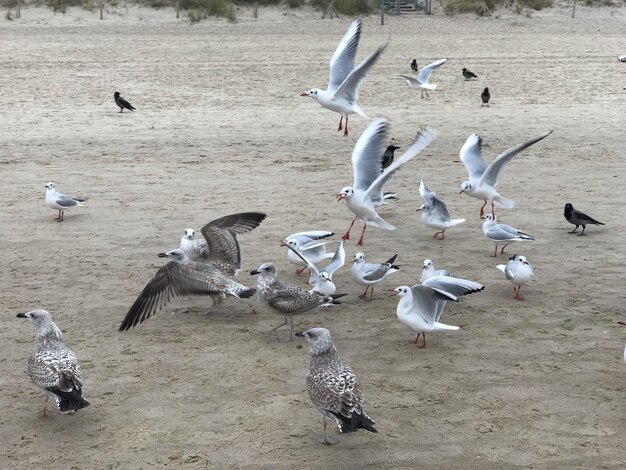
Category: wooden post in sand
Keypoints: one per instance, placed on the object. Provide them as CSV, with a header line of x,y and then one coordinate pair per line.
x,y
574,9
330,11
255,10
382,12
101,8
177,8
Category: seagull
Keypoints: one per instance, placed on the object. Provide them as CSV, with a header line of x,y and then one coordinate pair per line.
x,y
420,307
502,234
181,276
370,274
468,74
414,65
389,155
435,212
53,366
308,244
343,84
485,96
220,247
334,389
622,58
575,217
59,201
519,271
322,280
428,271
122,103
421,81
483,179
287,299
367,190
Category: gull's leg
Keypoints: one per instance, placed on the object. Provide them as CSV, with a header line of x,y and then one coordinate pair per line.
x,y
574,231
372,292
442,233
416,338
423,341
340,123
364,294
495,252
345,132
62,214
346,236
360,242
326,440
279,326
482,210
291,329
300,271
502,250
493,211
583,232
44,412
517,294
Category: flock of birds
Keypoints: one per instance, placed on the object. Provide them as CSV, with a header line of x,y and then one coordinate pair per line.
x,y
207,266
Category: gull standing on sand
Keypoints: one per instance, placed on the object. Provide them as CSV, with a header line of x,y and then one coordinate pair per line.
x,y
343,84
435,212
369,183
181,276
371,274
322,279
519,271
502,234
308,244
483,179
421,306
53,366
577,218
220,246
421,81
287,299
429,271
333,387
59,201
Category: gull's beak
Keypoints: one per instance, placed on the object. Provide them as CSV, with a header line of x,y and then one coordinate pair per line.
x,y
162,255
418,209
392,292
340,196
303,94
252,273
623,323
300,334
282,243
525,262
461,191
21,315
423,267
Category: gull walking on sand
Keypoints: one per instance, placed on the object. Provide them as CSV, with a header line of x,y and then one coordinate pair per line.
x,y
502,234
435,212
371,274
519,271
421,81
369,183
483,179
59,201
345,79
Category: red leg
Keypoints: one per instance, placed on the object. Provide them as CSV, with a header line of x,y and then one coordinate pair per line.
x,y
360,242
371,292
416,338
517,295
495,252
340,122
300,271
502,250
482,210
345,132
423,341
493,211
442,233
346,236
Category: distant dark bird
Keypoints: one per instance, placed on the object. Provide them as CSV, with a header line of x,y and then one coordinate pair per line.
x,y
388,155
53,366
414,65
122,103
333,387
575,217
469,74
485,96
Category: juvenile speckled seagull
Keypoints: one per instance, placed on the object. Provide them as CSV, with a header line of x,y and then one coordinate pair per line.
x,y
371,274
345,79
53,366
287,299
483,179
369,183
333,387
421,81
322,279
59,201
519,271
502,234
435,212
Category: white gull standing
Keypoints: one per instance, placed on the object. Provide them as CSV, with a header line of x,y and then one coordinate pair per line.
x,y
345,79
435,212
429,270
367,191
519,271
421,81
322,279
59,201
502,234
483,179
370,274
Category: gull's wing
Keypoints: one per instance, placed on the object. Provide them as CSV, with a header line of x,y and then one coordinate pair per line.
x,y
490,176
426,301
425,73
411,81
376,272
503,232
471,157
367,154
454,285
312,235
349,89
311,266
342,62
423,138
425,192
221,235
338,260
66,201
439,207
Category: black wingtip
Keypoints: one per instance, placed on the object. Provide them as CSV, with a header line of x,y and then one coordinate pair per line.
x,y
392,259
247,293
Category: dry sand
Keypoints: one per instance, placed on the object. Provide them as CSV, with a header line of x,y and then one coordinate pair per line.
x,y
220,128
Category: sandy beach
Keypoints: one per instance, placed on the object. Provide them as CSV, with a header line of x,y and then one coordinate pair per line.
x,y
220,128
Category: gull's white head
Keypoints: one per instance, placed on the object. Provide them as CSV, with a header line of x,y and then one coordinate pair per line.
x,y
345,193
177,255
424,207
490,219
428,264
359,258
38,317
51,185
323,276
401,291
466,186
319,338
189,233
520,259
313,93
266,269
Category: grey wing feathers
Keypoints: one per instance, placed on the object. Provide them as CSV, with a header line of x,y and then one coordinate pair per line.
x,y
440,207
377,273
342,61
427,71
349,89
367,154
66,201
339,259
426,301
455,286
290,299
471,157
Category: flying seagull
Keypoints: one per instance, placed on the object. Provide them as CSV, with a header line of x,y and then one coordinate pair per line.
x,y
333,387
575,217
322,279
59,201
309,245
122,103
421,81
53,366
345,79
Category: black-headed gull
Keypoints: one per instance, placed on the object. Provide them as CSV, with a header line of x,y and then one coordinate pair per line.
x,y
367,191
345,79
483,179
519,271
502,234
370,274
435,212
577,218
310,245
287,299
429,270
179,277
421,306
59,201
421,81
322,279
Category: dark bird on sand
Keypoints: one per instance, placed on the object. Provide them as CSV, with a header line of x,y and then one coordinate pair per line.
x,y
469,74
414,65
122,103
575,217
388,155
485,96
